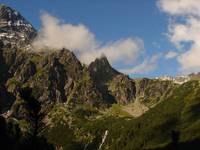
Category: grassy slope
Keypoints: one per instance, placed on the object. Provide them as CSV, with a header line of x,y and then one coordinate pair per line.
x,y
178,112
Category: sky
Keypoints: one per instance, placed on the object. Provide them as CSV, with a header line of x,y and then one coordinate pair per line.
x,y
142,38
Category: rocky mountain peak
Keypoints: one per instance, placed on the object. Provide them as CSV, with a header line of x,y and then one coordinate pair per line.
x,y
101,68
115,86
14,27
8,13
103,60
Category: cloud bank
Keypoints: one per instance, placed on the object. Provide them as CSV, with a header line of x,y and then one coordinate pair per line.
x,y
56,35
79,39
122,51
185,34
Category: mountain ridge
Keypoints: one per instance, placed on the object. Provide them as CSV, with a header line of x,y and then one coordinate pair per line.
x,y
52,101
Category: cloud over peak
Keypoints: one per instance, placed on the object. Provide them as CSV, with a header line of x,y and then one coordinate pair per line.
x,y
122,51
56,35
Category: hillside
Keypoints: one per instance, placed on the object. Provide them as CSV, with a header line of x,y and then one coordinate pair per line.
x,y
178,115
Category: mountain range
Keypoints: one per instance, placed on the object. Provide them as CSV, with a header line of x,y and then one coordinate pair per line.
x,y
50,100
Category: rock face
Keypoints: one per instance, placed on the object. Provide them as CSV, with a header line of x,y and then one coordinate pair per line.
x,y
14,29
114,86
123,89
101,72
55,77
150,92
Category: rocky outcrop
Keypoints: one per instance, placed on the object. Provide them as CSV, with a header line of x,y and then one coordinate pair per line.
x,y
54,77
101,70
15,30
150,92
123,89
26,72
114,86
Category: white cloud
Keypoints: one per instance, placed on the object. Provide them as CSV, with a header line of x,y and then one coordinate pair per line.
x,y
122,51
57,35
190,60
185,35
146,66
79,39
180,7
171,54
187,32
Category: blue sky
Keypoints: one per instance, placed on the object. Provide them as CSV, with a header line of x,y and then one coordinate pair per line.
x,y
111,20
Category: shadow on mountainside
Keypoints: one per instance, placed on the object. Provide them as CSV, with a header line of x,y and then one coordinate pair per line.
x,y
12,138
191,145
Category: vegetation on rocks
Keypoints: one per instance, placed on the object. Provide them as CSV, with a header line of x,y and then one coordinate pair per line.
x,y
52,101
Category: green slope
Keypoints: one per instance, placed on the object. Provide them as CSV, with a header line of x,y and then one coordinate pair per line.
x,y
178,113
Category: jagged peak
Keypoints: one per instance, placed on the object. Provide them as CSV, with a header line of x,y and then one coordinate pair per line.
x,y
3,6
102,60
101,70
9,14
102,65
14,28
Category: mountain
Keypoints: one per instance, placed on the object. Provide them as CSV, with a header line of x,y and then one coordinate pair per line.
x,y
114,86
15,30
50,100
153,91
56,76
